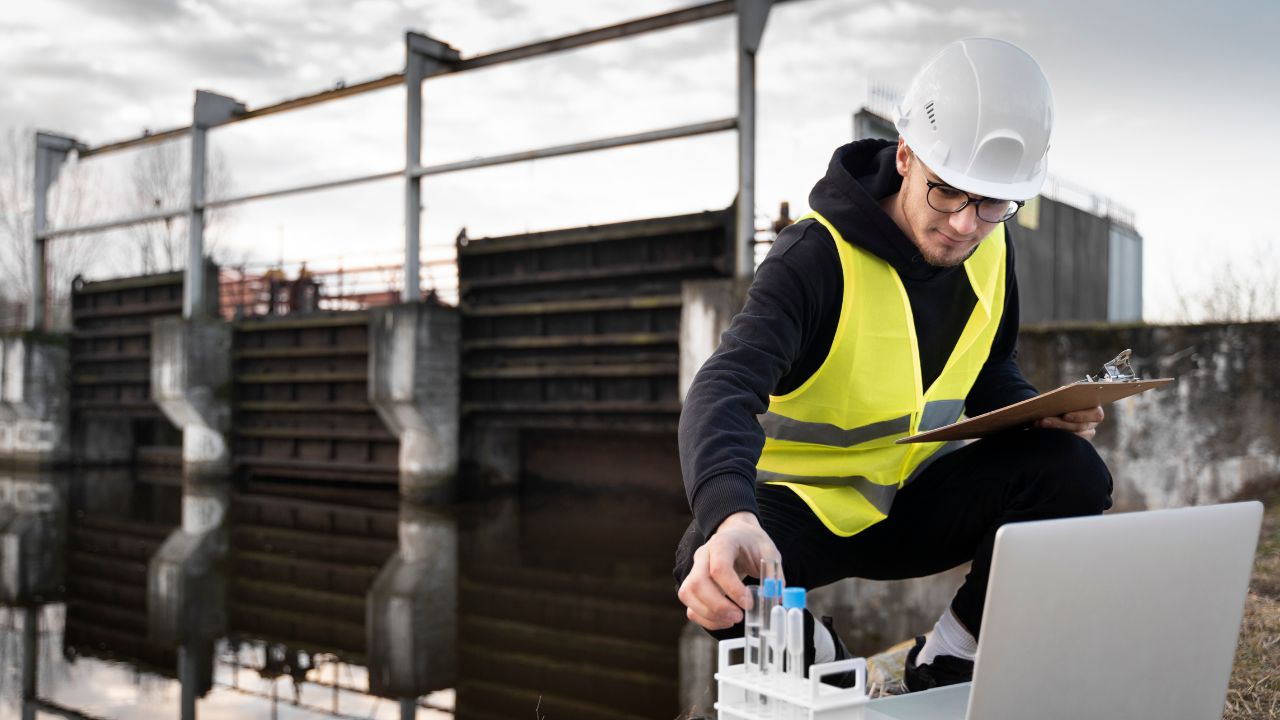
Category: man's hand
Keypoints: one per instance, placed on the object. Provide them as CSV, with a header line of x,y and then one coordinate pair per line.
x,y
713,592
1081,422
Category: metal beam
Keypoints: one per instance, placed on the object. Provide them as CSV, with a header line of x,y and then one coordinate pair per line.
x,y
51,153
113,224
282,192
752,16
546,47
573,148
599,35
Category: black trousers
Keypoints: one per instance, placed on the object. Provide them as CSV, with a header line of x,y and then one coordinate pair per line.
x,y
947,516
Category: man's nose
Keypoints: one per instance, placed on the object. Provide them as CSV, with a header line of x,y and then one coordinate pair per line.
x,y
965,222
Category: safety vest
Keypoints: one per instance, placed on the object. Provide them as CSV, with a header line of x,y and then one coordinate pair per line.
x,y
831,440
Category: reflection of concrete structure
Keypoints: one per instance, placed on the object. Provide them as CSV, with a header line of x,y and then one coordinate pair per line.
x,y
32,529
32,562
412,608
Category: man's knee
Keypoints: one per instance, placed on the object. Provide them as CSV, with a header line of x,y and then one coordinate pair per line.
x,y
1072,472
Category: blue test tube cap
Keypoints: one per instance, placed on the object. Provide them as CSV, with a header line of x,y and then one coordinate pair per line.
x,y
771,588
793,597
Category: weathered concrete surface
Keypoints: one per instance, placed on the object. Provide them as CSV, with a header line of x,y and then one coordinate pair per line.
x,y
707,308
190,380
32,539
415,385
699,656
34,399
411,611
1195,442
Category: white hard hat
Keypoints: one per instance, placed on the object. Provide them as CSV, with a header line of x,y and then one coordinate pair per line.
x,y
979,114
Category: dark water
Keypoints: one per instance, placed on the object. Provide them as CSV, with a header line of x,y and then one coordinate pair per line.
x,y
565,606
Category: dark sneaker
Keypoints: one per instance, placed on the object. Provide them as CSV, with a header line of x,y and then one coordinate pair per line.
x,y
842,680
944,670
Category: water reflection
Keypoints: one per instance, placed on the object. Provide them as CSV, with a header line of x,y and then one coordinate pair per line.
x,y
336,602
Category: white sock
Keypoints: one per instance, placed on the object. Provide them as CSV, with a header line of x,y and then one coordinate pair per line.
x,y
824,647
949,638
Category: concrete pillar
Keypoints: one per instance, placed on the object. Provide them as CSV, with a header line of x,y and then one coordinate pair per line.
x,y
35,398
186,584
190,381
414,383
32,540
699,653
411,611
707,308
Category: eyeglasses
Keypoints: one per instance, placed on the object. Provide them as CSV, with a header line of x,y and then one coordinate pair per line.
x,y
944,198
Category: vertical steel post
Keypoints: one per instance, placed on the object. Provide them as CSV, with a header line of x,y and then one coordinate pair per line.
x,y
408,708
51,153
752,15
30,651
423,56
210,111
187,683
411,289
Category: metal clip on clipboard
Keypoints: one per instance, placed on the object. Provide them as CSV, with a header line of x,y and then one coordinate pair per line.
x,y
1118,370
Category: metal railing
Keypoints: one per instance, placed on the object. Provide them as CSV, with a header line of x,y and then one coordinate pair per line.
x,y
425,57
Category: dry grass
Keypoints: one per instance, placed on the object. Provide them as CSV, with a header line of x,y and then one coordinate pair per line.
x,y
1254,692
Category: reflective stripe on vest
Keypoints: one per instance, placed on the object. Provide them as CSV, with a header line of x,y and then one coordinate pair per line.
x,y
832,439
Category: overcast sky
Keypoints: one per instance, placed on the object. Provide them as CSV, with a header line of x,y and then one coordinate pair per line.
x,y
1166,107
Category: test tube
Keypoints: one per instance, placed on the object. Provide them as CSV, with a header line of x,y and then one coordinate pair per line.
x,y
752,626
772,629
793,599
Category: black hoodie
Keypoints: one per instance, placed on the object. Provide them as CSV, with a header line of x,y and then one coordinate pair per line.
x,y
785,330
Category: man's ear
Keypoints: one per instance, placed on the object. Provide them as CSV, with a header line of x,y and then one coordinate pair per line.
x,y
903,157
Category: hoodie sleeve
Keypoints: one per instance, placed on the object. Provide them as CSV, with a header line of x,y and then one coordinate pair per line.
x,y
1001,382
720,438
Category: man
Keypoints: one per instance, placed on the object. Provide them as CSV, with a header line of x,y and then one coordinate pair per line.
x,y
890,310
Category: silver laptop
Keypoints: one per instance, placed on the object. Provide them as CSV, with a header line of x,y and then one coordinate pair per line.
x,y
1131,616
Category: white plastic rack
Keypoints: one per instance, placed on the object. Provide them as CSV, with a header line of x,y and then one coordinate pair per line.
x,y
777,696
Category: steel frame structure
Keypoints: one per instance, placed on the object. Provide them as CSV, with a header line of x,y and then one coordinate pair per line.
x,y
425,57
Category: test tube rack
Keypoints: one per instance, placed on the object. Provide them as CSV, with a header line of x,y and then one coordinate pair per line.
x,y
786,697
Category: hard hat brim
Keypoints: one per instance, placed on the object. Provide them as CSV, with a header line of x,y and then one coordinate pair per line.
x,y
1002,191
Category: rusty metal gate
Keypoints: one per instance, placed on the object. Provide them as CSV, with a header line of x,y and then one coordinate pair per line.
x,y
580,328
301,402
111,359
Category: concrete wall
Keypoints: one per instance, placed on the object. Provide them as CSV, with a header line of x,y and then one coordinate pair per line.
x,y
34,399
1195,442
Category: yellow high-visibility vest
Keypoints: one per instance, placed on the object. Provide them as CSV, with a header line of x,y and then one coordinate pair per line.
x,y
831,440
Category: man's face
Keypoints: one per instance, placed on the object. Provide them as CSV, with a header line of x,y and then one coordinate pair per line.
x,y
943,239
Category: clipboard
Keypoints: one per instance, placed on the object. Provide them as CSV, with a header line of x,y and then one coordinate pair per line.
x,y
1076,396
